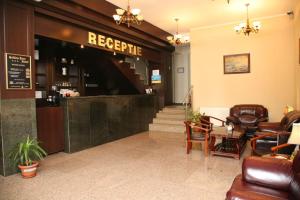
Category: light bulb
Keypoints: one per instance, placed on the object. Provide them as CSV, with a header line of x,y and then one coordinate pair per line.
x,y
256,25
140,17
178,36
117,17
135,11
186,38
120,11
243,25
170,37
237,28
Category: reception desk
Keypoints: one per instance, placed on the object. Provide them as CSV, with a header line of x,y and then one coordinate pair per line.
x,y
95,120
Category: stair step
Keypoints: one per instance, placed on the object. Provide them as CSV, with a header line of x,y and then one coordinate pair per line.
x,y
175,107
182,112
167,121
162,115
167,128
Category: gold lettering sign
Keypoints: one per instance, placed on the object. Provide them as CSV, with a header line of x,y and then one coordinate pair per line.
x,y
114,44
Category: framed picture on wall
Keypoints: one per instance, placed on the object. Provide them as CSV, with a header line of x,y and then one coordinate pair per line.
x,y
237,63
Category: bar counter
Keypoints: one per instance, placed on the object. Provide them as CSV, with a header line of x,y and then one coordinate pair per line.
x,y
95,120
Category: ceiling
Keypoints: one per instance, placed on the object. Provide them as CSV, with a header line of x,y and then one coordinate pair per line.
x,y
200,13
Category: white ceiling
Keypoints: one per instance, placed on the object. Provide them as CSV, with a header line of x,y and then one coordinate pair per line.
x,y
199,13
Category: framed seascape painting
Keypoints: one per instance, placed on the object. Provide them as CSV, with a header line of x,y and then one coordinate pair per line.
x,y
237,63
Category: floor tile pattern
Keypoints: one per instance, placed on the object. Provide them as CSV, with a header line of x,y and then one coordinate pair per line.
x,y
149,165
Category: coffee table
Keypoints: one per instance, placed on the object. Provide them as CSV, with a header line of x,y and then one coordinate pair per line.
x,y
233,142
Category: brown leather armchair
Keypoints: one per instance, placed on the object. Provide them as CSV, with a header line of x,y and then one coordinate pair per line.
x,y
267,179
247,116
274,133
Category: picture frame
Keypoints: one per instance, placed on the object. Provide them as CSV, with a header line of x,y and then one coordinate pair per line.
x,y
236,63
180,70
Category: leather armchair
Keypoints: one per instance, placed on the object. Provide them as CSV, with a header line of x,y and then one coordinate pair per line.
x,y
267,179
274,133
247,116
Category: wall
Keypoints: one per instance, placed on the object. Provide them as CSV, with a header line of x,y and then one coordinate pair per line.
x,y
17,109
297,46
272,78
181,59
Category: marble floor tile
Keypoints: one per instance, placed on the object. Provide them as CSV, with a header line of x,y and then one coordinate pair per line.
x,y
149,165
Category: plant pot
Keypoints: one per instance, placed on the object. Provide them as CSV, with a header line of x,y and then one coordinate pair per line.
x,y
29,171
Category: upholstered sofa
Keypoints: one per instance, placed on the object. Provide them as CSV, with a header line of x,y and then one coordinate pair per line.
x,y
267,179
247,116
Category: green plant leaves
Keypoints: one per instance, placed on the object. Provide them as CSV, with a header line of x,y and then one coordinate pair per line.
x,y
27,151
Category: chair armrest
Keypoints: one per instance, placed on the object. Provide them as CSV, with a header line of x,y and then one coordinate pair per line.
x,y
200,127
265,134
276,148
253,140
268,172
232,119
223,122
268,126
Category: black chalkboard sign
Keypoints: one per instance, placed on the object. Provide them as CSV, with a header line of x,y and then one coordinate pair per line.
x,y
18,71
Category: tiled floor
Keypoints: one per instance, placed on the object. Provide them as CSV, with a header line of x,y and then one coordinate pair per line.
x,y
145,166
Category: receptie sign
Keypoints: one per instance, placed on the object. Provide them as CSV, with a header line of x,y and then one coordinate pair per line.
x,y
18,71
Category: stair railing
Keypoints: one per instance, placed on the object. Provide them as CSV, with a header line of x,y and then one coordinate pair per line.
x,y
187,101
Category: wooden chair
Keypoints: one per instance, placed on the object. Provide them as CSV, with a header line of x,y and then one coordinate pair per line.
x,y
268,146
199,133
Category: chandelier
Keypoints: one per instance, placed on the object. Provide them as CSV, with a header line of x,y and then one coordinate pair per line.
x,y
128,16
178,39
246,27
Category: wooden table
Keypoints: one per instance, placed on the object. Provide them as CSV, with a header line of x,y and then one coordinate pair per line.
x,y
232,145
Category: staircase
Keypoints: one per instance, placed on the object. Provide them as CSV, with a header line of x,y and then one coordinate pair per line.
x,y
170,119
134,78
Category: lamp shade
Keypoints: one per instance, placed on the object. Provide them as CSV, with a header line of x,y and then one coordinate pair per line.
x,y
295,135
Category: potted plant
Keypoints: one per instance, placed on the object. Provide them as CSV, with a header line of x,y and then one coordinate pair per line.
x,y
194,117
26,155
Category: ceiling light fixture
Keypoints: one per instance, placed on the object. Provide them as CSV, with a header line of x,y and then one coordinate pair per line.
x,y
246,27
128,16
178,39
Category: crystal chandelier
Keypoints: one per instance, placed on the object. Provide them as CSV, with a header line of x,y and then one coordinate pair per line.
x,y
178,39
128,16
246,27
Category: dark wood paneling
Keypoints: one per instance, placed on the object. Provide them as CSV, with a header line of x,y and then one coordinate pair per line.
x,y
17,36
100,12
50,128
65,31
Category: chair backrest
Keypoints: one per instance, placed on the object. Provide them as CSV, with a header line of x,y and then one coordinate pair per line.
x,y
287,121
249,109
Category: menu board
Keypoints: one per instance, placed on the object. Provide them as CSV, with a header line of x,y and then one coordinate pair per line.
x,y
18,71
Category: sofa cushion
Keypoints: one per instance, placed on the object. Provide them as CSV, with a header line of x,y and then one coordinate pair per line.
x,y
241,190
247,119
247,111
268,172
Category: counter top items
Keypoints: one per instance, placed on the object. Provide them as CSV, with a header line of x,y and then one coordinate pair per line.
x,y
69,93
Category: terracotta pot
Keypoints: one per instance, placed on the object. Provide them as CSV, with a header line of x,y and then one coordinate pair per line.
x,y
29,171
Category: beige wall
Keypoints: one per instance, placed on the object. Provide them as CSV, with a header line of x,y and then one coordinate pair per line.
x,y
297,37
272,81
